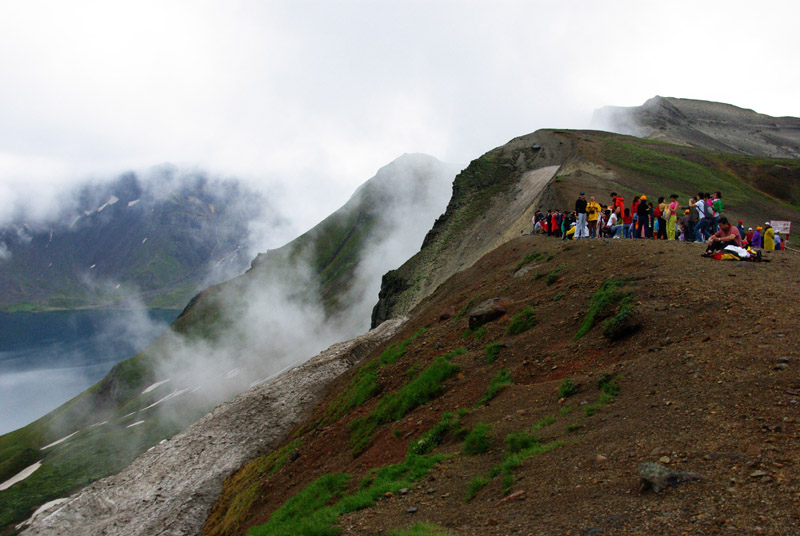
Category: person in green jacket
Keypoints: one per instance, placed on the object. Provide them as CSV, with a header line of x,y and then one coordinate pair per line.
x,y
769,237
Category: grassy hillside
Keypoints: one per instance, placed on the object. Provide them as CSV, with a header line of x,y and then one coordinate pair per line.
x,y
317,267
608,357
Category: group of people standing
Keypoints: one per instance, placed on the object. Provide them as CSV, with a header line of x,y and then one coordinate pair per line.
x,y
700,221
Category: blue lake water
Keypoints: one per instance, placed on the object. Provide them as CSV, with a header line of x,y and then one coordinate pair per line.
x,y
48,358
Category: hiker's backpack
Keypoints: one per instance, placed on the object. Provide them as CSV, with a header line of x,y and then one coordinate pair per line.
x,y
709,210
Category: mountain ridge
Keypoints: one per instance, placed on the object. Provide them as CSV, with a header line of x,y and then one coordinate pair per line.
x,y
474,252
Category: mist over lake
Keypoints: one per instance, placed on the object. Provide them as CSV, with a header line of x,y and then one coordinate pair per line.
x,y
48,358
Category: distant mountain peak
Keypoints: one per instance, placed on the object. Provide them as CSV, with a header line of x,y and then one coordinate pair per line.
x,y
710,125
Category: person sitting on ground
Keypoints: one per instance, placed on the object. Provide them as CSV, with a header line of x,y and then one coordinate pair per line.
x,y
726,236
748,237
615,224
769,237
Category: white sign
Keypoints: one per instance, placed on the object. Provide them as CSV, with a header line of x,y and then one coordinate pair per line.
x,y
783,227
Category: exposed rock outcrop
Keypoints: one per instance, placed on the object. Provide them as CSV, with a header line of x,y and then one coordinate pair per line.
x,y
493,202
170,489
711,125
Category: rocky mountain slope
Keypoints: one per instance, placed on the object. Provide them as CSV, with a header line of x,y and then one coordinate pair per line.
x,y
710,125
610,354
231,336
466,414
152,239
188,470
495,196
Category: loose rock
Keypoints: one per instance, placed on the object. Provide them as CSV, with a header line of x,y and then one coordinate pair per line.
x,y
658,477
487,311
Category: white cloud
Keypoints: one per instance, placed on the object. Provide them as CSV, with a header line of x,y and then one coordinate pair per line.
x,y
315,96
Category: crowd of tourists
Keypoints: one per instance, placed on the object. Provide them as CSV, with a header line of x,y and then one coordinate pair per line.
x,y
702,220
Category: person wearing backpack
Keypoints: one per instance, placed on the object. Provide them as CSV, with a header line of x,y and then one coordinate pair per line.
x,y
703,221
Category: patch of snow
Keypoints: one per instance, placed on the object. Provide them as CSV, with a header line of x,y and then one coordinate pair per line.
x,y
145,240
162,382
131,203
19,477
39,511
54,443
111,201
118,284
232,373
173,394
92,266
75,220
197,388
162,441
128,415
98,424
137,423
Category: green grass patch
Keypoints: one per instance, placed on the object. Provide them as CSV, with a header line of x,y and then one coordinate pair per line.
x,y
566,410
395,351
474,486
567,389
394,406
467,307
492,351
522,321
602,303
314,510
619,325
573,427
479,333
552,277
498,383
544,422
558,297
519,441
243,489
434,437
479,440
364,384
527,259
609,390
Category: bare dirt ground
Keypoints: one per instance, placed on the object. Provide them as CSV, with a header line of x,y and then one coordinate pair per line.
x,y
709,384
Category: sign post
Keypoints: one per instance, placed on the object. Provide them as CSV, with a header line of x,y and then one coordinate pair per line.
x,y
783,227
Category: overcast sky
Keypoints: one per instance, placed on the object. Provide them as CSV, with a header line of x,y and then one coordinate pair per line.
x,y
314,97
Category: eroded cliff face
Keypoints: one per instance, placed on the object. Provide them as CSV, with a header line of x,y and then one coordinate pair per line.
x,y
170,489
493,201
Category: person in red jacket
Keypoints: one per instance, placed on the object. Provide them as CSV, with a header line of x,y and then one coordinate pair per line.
x,y
617,202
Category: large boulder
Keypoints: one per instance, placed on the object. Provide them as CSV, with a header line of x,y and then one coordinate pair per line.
x,y
487,311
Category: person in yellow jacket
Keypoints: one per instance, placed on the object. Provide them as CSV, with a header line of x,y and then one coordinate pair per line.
x,y
592,214
769,237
